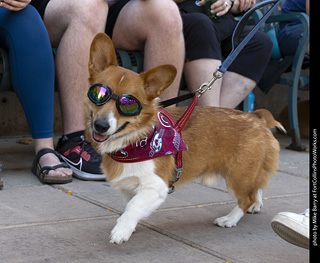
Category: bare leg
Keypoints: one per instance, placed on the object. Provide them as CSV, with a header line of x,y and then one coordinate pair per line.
x,y
234,89
72,25
226,92
141,26
199,71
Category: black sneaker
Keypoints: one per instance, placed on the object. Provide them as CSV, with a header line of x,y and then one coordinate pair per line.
x,y
80,156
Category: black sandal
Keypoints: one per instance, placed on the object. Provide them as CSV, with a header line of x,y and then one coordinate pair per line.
x,y
42,173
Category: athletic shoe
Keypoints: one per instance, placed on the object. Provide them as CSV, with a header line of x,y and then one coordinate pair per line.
x,y
80,156
292,227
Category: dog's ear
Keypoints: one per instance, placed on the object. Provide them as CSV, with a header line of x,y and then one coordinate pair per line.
x,y
158,79
102,54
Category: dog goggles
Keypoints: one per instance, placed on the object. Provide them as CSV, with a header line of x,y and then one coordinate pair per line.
x,y
127,105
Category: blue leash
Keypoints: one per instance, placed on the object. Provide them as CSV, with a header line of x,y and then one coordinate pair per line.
x,y
236,46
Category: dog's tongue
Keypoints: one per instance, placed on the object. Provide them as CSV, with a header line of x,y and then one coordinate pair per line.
x,y
99,137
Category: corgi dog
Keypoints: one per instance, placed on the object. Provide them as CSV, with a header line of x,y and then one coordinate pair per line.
x,y
121,110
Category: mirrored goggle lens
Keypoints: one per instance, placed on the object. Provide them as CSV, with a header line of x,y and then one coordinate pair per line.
x,y
99,94
129,105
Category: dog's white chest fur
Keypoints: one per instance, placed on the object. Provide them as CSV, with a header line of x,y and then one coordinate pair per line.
x,y
137,176
144,172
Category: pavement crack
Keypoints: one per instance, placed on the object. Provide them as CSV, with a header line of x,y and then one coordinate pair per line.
x,y
53,222
87,199
185,241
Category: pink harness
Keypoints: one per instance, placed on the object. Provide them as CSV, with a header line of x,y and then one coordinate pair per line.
x,y
164,139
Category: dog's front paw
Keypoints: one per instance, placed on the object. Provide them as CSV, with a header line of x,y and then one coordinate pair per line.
x,y
225,221
121,233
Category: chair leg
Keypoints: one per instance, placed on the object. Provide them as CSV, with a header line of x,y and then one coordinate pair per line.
x,y
293,119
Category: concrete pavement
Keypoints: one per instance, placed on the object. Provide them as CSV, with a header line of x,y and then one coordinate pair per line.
x,y
72,222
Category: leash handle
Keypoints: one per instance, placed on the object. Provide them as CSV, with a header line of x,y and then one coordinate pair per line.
x,y
236,46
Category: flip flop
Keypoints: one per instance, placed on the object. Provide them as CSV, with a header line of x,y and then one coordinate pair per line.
x,y
42,173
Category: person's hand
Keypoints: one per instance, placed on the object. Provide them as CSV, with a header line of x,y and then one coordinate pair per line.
x,y
244,5
14,5
220,7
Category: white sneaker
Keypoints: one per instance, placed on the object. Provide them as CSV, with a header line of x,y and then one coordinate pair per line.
x,y
292,227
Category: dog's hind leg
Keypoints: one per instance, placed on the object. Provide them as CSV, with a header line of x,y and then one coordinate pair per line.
x,y
257,205
230,219
238,212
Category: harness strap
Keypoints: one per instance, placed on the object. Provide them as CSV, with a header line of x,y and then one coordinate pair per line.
x,y
182,121
178,127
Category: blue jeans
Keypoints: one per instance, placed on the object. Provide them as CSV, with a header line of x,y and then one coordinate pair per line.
x,y
288,38
31,65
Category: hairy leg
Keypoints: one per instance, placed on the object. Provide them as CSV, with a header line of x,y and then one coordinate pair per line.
x,y
234,89
71,26
199,71
226,92
154,27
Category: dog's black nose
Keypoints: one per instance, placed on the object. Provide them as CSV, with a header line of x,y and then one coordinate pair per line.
x,y
101,125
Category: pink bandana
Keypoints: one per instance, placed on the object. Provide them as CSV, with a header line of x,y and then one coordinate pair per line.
x,y
162,140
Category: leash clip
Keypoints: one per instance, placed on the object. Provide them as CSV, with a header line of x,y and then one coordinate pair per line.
x,y
208,85
176,178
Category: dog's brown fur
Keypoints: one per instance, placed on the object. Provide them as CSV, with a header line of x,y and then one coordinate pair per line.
x,y
236,145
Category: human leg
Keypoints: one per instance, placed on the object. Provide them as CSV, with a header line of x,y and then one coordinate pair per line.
x,y
289,37
141,26
234,89
199,71
71,26
32,75
246,70
32,82
203,56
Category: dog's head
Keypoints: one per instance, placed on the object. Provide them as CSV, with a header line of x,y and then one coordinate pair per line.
x,y
108,127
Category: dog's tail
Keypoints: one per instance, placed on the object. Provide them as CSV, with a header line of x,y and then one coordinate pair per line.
x,y
268,119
